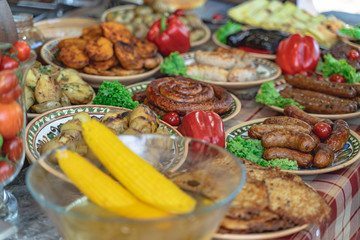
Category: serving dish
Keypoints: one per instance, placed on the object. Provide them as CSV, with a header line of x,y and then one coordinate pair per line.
x,y
123,8
49,52
64,27
46,126
269,71
256,55
134,88
280,84
343,158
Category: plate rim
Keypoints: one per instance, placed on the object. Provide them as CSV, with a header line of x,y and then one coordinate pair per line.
x,y
96,80
280,82
248,84
236,100
303,172
31,158
257,55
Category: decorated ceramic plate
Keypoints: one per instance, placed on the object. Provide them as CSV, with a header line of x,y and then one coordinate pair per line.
x,y
225,117
46,126
280,84
49,52
343,158
265,69
257,55
122,17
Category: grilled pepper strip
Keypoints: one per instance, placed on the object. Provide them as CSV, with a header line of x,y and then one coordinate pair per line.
x,y
297,53
170,35
206,126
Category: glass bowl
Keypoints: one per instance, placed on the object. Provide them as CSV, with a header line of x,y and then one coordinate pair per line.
x,y
209,173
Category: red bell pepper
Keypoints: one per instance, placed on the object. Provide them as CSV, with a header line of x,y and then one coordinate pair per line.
x,y
206,126
169,35
297,53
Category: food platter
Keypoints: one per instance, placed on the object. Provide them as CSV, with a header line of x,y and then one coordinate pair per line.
x,y
134,88
260,236
280,84
198,42
49,52
257,55
343,158
46,126
269,71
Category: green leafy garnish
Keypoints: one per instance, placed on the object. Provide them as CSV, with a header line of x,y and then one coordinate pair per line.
x,y
252,150
227,29
353,32
333,66
270,96
114,94
174,65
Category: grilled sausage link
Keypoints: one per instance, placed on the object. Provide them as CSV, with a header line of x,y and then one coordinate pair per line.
x,y
285,120
257,131
338,136
296,112
302,159
312,83
324,155
294,140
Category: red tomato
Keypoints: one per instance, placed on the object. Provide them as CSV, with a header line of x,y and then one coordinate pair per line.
x,y
8,63
11,119
6,170
8,81
13,148
322,130
12,95
179,12
305,73
337,78
217,16
320,77
171,118
23,50
353,54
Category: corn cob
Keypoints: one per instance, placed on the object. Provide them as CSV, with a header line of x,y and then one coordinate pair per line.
x,y
138,176
103,190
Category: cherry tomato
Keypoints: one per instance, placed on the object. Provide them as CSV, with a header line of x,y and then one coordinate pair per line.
x,y
12,95
353,55
217,16
8,81
320,77
171,118
322,130
179,12
13,148
6,170
23,50
305,73
11,119
8,63
337,78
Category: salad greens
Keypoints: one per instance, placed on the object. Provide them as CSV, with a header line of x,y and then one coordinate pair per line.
x,y
252,150
174,65
333,66
354,32
114,94
227,29
270,96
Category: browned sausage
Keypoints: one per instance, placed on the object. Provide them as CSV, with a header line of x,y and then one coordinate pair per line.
x,y
302,159
319,104
294,140
322,96
315,137
296,112
312,83
257,131
324,156
339,135
284,120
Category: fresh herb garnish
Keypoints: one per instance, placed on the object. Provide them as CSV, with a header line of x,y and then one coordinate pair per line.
x,y
174,65
353,32
227,29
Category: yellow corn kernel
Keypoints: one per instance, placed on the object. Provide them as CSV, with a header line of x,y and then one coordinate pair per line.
x,y
103,190
134,173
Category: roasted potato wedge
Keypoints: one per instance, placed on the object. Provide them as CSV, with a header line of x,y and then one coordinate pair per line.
x,y
91,33
47,90
31,79
73,57
29,97
77,42
127,56
64,100
143,119
99,49
116,32
117,121
77,90
45,106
